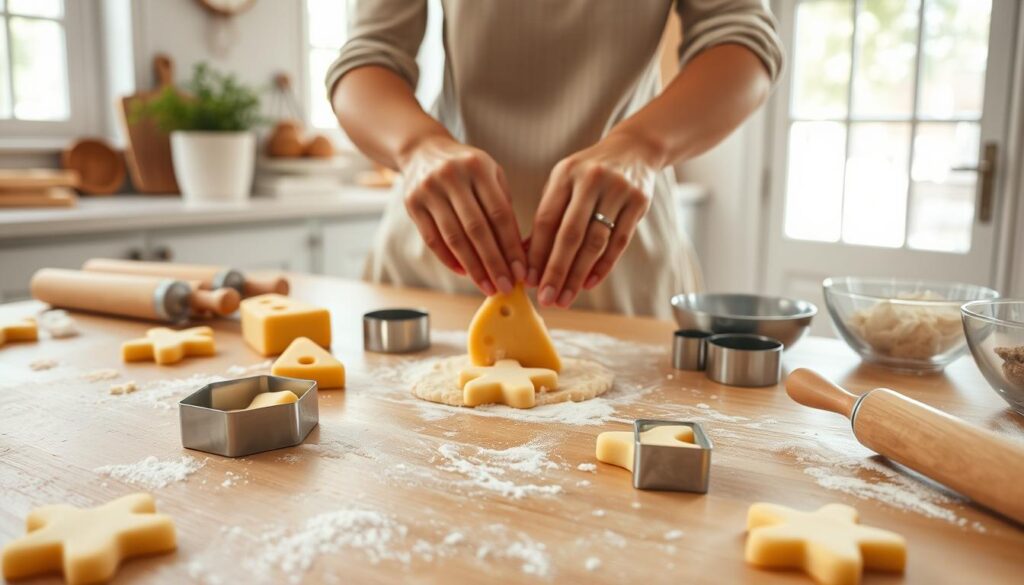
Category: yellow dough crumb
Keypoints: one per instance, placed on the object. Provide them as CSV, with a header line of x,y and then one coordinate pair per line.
x,y
506,326
506,382
306,360
21,330
827,544
167,346
271,322
265,399
88,544
617,447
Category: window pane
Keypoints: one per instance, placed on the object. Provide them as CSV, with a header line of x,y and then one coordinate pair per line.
x,y
814,189
875,202
320,114
954,56
5,91
942,211
45,8
821,66
883,78
328,23
40,74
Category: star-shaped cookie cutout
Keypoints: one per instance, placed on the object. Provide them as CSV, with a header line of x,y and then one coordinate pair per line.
x,y
167,346
88,544
506,382
21,330
828,544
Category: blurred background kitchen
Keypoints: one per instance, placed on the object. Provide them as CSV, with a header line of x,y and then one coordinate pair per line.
x,y
892,146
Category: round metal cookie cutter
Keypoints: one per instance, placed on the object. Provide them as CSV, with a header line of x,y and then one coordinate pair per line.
x,y
741,359
396,330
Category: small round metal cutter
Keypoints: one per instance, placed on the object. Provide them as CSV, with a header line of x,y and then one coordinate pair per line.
x,y
396,331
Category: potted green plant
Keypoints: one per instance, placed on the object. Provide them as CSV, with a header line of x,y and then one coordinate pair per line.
x,y
213,145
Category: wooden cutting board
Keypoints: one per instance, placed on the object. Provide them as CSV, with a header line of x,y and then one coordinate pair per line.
x,y
148,149
32,179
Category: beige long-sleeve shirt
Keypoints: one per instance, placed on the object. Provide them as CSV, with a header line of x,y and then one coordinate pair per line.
x,y
533,81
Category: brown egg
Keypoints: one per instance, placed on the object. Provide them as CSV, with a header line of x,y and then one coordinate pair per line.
x,y
284,141
319,147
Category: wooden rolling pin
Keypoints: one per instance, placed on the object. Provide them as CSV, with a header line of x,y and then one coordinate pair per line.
x,y
973,461
209,277
127,295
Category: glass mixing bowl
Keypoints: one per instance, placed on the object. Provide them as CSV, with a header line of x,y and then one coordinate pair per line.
x,y
995,334
908,325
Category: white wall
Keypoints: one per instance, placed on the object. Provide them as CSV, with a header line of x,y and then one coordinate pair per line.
x,y
733,213
265,39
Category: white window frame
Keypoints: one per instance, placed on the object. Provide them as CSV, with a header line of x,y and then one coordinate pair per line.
x,y
85,75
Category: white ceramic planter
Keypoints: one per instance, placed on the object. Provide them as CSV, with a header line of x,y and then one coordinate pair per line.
x,y
213,166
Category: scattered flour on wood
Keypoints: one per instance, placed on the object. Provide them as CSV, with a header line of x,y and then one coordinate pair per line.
x,y
531,555
591,467
489,469
126,388
101,375
165,394
673,535
592,564
846,467
598,513
153,473
237,371
42,364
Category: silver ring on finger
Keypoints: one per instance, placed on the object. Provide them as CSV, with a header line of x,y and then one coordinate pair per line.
x,y
603,220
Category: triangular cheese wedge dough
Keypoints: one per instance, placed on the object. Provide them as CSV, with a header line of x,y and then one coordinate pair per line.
x,y
306,360
506,326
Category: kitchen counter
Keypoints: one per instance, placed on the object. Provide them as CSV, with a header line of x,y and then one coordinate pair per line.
x,y
390,488
132,212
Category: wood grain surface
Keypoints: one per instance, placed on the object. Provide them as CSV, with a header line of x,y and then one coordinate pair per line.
x,y
381,452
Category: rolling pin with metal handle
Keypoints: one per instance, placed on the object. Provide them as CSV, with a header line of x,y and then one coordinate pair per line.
x,y
973,461
143,297
209,277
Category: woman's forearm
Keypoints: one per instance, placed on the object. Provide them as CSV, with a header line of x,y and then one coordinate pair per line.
x,y
701,106
379,112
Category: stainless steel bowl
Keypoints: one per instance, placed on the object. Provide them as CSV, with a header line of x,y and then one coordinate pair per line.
x,y
786,320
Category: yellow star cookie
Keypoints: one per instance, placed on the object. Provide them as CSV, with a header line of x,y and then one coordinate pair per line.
x,y
167,346
506,382
88,544
21,330
828,544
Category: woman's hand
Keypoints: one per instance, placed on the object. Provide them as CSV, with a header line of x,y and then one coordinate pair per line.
x,y
570,248
458,197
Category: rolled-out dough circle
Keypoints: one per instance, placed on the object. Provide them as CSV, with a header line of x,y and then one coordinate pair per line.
x,y
579,380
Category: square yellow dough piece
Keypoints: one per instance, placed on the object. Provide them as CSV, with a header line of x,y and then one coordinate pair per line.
x,y
20,330
507,327
271,322
617,447
168,346
827,544
506,382
88,544
308,361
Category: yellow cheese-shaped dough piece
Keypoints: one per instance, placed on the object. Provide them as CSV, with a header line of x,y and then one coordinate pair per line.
x,y
271,322
506,326
506,382
167,346
21,330
617,448
264,399
88,544
828,544
306,360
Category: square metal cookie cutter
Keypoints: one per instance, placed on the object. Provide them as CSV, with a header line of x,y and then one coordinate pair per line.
x,y
213,418
677,469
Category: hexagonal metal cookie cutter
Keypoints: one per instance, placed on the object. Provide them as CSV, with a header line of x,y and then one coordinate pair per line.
x,y
213,418
677,469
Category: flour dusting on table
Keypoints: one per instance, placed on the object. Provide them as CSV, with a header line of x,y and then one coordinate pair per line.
x,y
489,469
153,473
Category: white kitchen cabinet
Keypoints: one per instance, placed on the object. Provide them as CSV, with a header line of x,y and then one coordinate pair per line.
x,y
259,246
346,244
18,262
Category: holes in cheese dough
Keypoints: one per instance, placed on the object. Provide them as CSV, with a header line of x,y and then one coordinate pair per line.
x,y
307,360
266,301
279,307
506,311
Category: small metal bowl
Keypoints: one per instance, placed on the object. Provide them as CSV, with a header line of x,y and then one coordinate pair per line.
x,y
786,320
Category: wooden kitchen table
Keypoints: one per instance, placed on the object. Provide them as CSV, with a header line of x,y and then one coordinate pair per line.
x,y
391,489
